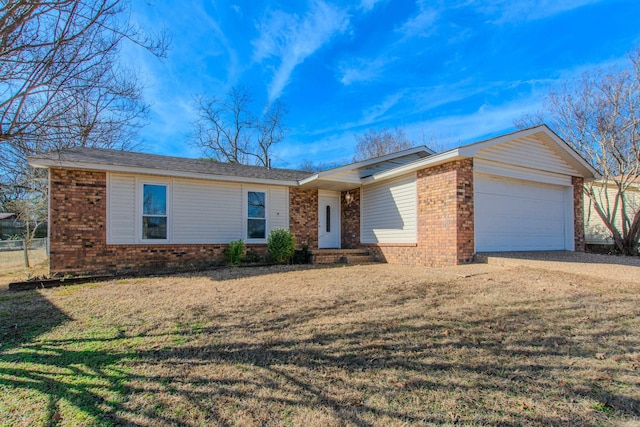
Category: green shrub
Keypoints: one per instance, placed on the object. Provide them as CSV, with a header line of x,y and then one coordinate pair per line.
x,y
234,252
281,245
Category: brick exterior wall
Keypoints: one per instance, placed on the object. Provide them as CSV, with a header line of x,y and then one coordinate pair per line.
x,y
445,219
350,219
578,213
303,216
78,234
445,226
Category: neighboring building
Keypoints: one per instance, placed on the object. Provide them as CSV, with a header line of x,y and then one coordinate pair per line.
x,y
8,225
116,211
596,233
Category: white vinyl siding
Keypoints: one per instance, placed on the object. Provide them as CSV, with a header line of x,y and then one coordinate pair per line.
x,y
517,172
595,231
121,220
388,211
204,212
278,207
528,152
200,212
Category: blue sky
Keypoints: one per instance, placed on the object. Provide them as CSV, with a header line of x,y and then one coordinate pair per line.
x,y
448,72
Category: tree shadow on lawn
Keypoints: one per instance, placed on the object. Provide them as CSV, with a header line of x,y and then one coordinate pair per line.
x,y
507,369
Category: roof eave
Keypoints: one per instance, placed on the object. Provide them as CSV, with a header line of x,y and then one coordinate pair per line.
x,y
427,162
373,161
48,163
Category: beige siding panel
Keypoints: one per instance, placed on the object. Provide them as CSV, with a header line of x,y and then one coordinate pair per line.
x,y
596,233
388,211
527,152
121,221
517,172
279,207
205,212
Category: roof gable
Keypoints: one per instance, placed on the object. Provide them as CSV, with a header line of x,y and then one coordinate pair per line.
x,y
547,151
529,152
537,148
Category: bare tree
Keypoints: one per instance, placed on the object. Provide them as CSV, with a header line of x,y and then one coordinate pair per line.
x,y
598,114
61,82
270,131
31,208
308,165
228,131
375,143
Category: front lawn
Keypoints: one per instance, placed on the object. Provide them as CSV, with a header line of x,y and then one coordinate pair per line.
x,y
373,345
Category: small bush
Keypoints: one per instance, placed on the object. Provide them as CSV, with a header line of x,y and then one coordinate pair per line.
x,y
281,245
302,256
234,252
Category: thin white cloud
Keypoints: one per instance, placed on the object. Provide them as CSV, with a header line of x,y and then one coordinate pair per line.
x,y
361,70
234,68
506,11
486,121
291,39
367,5
421,25
377,111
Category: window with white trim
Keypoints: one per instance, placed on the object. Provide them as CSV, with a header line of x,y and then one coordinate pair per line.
x,y
154,212
256,215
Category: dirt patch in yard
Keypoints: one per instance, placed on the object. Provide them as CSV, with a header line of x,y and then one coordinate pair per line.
x,y
374,345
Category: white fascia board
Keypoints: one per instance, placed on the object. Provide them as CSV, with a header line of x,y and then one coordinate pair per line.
x,y
46,163
308,179
430,161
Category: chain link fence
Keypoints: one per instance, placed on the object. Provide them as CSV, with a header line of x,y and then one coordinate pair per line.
x,y
13,262
18,245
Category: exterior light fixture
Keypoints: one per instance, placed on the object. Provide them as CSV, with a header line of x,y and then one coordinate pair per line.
x,y
348,197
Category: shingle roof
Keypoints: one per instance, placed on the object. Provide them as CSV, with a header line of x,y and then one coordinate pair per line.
x,y
98,156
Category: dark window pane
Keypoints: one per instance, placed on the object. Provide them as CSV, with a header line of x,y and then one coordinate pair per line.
x,y
256,228
328,219
154,227
155,200
256,204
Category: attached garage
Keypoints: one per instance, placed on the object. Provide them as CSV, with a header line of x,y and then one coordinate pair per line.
x,y
519,215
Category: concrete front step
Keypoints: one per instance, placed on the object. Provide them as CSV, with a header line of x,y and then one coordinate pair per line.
x,y
343,256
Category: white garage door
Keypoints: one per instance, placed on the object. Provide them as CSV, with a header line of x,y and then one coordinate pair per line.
x,y
513,215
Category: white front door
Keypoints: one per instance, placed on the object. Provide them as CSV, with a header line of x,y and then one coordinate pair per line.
x,y
329,221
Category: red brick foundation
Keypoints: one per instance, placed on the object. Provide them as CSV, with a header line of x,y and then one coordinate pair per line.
x,y
445,219
78,234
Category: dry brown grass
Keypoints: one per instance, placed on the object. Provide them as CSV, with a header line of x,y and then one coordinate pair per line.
x,y
373,345
12,267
